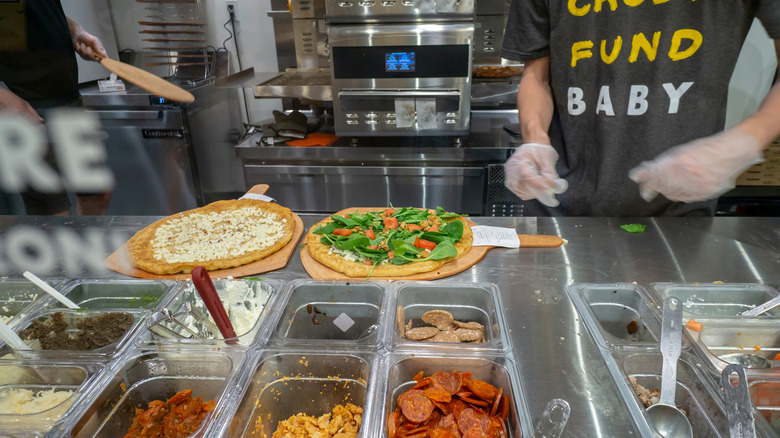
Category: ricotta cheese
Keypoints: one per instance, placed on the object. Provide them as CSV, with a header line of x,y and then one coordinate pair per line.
x,y
217,236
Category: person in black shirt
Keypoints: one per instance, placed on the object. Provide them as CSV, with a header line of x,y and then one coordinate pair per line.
x,y
38,72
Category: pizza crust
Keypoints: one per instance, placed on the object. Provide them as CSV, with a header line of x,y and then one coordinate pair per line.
x,y
322,253
141,250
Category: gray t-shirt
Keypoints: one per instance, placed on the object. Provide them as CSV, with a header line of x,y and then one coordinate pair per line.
x,y
629,82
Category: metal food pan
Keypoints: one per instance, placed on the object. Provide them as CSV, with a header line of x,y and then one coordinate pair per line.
x,y
695,394
497,370
311,313
765,395
478,302
717,300
752,343
608,309
72,318
117,294
285,383
19,298
149,376
39,376
163,331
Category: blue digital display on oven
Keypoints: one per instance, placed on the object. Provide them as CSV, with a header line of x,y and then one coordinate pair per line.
x,y
399,62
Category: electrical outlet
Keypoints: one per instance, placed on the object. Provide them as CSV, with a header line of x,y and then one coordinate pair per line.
x,y
231,5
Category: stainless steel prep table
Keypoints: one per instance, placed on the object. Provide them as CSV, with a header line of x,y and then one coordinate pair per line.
x,y
555,354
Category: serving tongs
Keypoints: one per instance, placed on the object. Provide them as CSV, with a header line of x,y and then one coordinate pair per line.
x,y
178,319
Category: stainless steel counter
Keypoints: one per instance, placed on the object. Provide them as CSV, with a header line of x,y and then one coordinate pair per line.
x,y
555,354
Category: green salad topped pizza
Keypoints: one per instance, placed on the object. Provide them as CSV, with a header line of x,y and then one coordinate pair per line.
x,y
393,242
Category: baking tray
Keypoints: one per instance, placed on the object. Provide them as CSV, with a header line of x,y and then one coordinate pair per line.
x,y
480,302
282,383
310,84
311,312
161,332
497,370
608,309
143,377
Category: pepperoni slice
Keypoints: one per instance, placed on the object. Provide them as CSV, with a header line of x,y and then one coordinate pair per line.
x,y
422,383
437,393
503,408
415,406
475,433
496,400
446,408
473,419
483,390
393,421
418,377
440,433
451,382
464,393
446,421
475,401
458,406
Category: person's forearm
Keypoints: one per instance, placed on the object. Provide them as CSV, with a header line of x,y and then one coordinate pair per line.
x,y
535,101
74,28
764,124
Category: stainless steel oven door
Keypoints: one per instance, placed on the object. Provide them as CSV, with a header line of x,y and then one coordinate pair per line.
x,y
333,188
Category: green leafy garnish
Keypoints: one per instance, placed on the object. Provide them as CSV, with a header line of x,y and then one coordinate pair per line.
x,y
633,228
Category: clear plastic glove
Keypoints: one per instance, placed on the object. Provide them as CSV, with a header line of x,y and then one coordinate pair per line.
x,y
88,46
700,170
530,174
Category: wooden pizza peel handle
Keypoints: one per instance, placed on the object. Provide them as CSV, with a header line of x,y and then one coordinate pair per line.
x,y
259,189
149,82
539,241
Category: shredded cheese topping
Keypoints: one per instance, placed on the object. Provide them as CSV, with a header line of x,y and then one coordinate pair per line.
x,y
217,236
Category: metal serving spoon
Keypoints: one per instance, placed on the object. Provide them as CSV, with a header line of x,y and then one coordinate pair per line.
x,y
668,420
738,403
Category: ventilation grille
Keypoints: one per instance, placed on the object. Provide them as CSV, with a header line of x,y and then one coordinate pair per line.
x,y
501,201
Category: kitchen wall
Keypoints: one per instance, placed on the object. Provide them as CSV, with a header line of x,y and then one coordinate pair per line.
x,y
116,23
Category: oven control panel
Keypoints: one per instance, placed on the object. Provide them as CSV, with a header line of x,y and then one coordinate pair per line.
x,y
400,10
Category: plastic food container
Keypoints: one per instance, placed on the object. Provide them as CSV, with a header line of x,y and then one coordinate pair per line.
x,y
478,302
610,309
147,376
752,343
765,395
73,318
695,394
284,383
36,376
19,298
497,370
334,314
186,306
716,300
117,294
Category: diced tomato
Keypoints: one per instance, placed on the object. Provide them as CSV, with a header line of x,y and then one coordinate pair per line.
x,y
434,228
694,325
413,227
368,262
390,222
425,253
389,211
370,234
425,244
371,247
342,232
391,255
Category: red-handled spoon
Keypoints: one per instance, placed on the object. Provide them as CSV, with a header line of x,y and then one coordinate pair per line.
x,y
204,286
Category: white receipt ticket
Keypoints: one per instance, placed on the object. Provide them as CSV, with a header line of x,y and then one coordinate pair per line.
x,y
344,322
495,236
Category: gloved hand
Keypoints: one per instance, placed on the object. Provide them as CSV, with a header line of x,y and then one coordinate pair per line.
x,y
699,170
530,174
290,125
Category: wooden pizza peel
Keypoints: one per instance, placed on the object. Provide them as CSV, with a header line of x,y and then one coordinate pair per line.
x,y
120,262
318,271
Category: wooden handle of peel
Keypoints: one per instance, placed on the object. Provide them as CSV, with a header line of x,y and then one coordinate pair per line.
x,y
208,293
149,82
539,241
